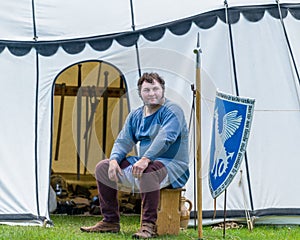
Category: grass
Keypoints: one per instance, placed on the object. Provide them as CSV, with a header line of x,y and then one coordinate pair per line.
x,y
67,228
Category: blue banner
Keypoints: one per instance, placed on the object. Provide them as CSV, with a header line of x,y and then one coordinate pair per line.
x,y
231,127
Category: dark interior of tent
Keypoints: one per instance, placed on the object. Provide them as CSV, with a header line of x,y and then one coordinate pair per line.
x,y
89,108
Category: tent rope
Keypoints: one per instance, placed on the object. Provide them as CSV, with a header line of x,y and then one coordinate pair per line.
x,y
289,46
247,212
237,90
136,44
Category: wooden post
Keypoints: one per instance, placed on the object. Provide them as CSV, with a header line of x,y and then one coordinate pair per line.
x,y
198,139
79,100
225,202
60,119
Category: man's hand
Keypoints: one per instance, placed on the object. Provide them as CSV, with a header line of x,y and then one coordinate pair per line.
x,y
113,170
139,167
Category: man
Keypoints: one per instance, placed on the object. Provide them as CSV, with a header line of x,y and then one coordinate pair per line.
x,y
160,128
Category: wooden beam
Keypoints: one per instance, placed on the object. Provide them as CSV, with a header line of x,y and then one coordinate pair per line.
x,y
113,92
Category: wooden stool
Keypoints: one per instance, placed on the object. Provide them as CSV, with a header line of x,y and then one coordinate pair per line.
x,y
169,210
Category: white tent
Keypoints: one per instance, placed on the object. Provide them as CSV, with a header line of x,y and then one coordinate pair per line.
x,y
249,48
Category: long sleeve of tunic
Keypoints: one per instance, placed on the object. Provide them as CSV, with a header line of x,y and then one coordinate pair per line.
x,y
162,136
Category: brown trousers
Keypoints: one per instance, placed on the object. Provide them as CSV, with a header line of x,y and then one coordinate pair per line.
x,y
149,189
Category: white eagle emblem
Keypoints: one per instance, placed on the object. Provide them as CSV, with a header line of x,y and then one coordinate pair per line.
x,y
231,123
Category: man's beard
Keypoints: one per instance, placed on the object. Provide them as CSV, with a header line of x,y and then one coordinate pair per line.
x,y
155,105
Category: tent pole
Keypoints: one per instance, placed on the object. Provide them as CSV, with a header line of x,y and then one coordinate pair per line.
x,y
86,145
197,51
121,106
60,118
105,104
79,99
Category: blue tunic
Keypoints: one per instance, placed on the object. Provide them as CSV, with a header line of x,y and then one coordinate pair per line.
x,y
162,136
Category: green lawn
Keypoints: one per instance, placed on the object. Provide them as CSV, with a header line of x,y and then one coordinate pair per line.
x,y
67,227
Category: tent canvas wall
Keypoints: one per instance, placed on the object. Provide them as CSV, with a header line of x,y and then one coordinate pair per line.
x,y
250,49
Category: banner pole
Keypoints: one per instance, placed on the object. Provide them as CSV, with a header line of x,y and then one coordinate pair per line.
x,y
224,221
193,118
197,51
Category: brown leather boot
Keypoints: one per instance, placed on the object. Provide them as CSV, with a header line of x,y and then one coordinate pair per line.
x,y
147,230
102,227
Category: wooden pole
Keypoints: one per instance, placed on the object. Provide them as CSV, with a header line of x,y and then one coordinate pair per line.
x,y
79,100
198,140
60,119
225,202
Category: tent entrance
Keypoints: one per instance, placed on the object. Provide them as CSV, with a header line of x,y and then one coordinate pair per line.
x,y
90,107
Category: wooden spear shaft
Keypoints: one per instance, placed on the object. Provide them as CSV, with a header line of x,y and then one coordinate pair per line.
x,y
198,140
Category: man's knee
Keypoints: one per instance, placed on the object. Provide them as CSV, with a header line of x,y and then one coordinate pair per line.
x,y
155,166
101,169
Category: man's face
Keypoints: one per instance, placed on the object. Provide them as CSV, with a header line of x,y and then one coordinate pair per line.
x,y
152,93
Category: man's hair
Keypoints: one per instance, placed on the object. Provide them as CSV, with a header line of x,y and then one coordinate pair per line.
x,y
150,77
